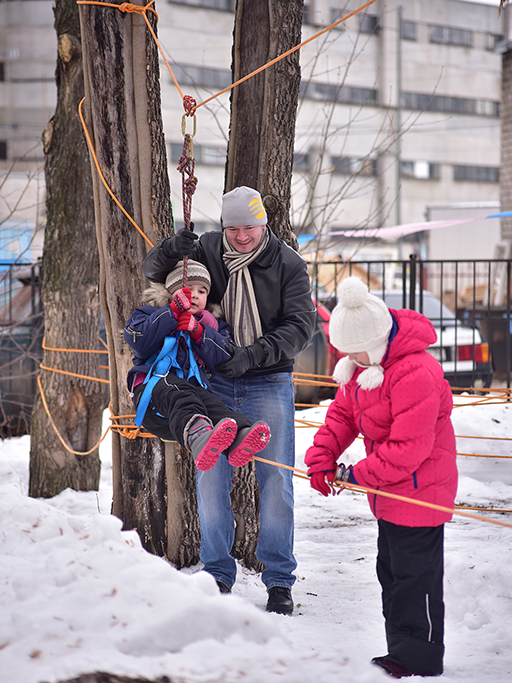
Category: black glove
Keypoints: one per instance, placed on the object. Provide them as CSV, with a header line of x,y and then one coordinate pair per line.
x,y
184,240
243,358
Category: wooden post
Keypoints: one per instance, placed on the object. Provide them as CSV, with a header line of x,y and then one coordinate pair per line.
x,y
123,115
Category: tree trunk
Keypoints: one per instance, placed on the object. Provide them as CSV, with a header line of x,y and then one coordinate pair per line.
x,y
70,289
260,155
506,146
124,120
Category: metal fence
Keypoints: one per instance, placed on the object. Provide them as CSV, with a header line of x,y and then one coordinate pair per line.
x,y
21,334
471,316
468,302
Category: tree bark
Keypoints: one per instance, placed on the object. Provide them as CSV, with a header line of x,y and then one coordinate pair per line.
x,y
154,486
70,289
260,155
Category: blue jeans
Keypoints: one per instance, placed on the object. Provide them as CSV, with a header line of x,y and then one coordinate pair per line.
x,y
269,398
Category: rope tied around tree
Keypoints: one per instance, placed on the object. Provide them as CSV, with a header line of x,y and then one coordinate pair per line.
x,y
189,103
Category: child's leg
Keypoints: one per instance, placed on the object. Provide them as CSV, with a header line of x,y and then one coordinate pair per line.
x,y
177,413
217,409
174,404
250,438
410,571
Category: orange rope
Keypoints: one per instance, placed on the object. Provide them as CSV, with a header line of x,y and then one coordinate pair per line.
x,y
50,348
89,141
138,9
363,489
130,431
285,54
70,450
74,374
187,101
190,110
483,455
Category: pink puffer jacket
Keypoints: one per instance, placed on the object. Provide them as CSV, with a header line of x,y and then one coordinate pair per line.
x,y
408,434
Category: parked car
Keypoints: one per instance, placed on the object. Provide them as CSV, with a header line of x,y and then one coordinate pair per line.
x,y
460,347
319,358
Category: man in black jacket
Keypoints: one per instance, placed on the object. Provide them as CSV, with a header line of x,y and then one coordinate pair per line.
x,y
263,288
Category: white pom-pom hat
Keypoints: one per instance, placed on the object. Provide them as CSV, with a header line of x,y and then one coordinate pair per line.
x,y
360,322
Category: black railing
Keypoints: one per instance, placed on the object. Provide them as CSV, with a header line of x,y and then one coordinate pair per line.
x,y
468,302
21,334
473,309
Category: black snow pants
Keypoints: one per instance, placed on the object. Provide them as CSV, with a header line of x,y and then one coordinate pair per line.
x,y
175,402
410,572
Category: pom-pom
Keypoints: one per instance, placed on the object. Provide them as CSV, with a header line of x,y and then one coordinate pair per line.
x,y
352,292
343,371
371,378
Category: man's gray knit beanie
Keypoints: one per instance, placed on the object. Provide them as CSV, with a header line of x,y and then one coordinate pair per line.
x,y
243,206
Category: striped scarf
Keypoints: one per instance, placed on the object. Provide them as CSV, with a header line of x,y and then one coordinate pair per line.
x,y
239,303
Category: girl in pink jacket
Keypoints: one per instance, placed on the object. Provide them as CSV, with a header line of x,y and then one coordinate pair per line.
x,y
393,392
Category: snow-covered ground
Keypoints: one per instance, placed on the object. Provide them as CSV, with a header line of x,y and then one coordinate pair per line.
x,y
79,595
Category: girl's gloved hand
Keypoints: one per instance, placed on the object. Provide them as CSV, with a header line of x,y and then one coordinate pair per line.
x,y
187,323
181,301
319,483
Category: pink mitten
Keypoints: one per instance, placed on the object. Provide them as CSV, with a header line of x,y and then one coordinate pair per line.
x,y
317,480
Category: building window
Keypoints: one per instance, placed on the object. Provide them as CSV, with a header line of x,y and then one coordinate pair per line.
x,y
200,76
301,162
368,23
420,170
407,30
354,166
446,35
2,72
306,14
207,156
492,41
476,174
228,5
452,105
334,93
3,150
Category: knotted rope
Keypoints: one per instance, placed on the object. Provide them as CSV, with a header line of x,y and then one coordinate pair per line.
x,y
186,166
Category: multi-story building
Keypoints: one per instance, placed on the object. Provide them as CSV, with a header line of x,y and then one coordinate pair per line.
x,y
399,107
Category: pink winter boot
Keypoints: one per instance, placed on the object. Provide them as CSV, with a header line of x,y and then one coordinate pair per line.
x,y
206,444
248,441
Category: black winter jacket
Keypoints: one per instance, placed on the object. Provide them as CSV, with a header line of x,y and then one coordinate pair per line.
x,y
281,286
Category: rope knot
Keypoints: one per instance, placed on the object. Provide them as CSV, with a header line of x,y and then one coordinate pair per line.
x,y
190,185
184,165
129,7
130,433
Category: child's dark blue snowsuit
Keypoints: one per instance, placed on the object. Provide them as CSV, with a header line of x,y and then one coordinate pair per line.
x,y
175,402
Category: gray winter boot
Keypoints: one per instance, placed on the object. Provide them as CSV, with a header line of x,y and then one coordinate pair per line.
x,y
207,443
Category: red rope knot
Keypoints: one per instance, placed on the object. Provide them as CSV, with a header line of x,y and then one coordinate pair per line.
x,y
185,164
189,104
190,185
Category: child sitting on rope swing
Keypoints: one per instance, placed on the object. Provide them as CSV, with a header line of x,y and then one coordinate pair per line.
x,y
176,343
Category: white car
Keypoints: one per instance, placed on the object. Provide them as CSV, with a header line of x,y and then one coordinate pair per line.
x,y
460,348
